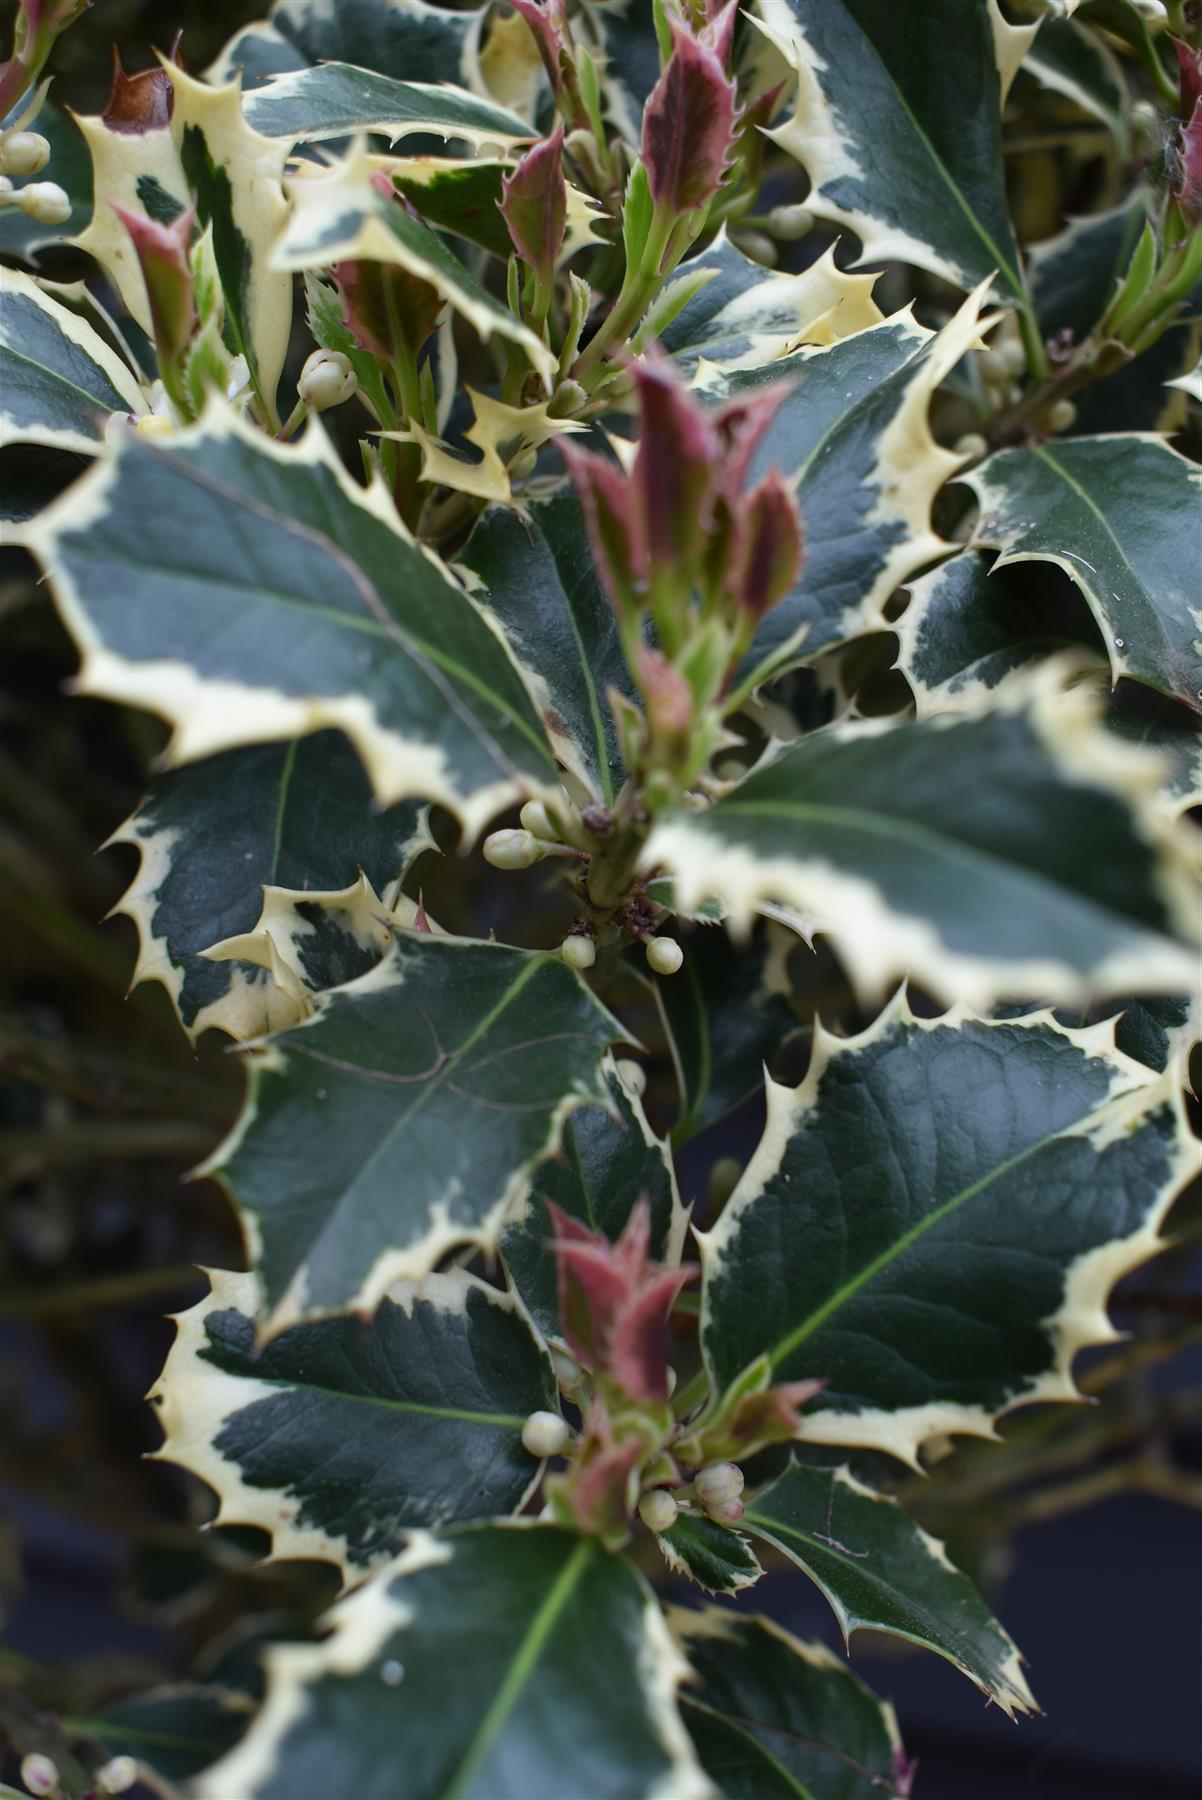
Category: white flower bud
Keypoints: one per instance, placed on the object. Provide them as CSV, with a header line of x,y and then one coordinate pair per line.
x,y
757,246
536,818
719,1486
155,425
633,1077
39,1774
545,1434
523,464
512,849
724,1178
658,1510
971,444
326,380
1154,11
664,955
1014,356
993,366
117,1775
578,952
45,201
568,1372
24,153
790,222
1062,415
6,186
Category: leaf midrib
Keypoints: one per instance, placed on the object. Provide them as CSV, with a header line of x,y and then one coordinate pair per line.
x,y
290,1384
102,403
761,1749
521,1667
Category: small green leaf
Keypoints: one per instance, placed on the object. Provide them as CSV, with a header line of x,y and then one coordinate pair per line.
x,y
1120,515
407,1117
535,575
1006,852
342,1436
495,1663
718,1559
775,1719
249,591
336,99
610,1158
304,819
934,1219
881,1573
60,383
899,129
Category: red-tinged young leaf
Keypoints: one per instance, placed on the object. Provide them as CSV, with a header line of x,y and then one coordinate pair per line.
x,y
376,297
1187,185
769,546
598,1490
546,19
1189,65
667,695
638,1354
143,102
718,34
534,205
162,252
672,475
740,425
689,125
614,528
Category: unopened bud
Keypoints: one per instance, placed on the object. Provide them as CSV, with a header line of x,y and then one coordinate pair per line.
x,y
545,1434
1154,11
633,1077
719,1487
39,1774
725,1176
757,245
155,425
578,952
45,201
664,955
523,464
117,1775
971,445
1062,415
536,818
513,849
568,398
658,1510
993,366
1014,356
790,222
326,380
24,153
6,186
568,1372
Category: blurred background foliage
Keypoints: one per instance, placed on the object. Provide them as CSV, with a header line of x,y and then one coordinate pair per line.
x,y
107,1587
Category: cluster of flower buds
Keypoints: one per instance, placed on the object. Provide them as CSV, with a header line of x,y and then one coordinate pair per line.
x,y
681,538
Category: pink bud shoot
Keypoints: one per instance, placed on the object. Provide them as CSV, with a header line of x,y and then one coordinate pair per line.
x,y
672,472
689,124
768,546
614,527
547,20
162,252
534,205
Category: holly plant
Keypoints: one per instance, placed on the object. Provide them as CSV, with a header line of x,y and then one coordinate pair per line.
x,y
634,444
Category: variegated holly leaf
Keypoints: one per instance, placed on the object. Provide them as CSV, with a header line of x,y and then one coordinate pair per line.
x,y
71,168
773,1718
718,1559
735,314
535,575
900,131
172,1732
1006,852
472,1666
1151,721
853,435
610,1159
970,629
303,819
337,99
386,1130
406,39
1190,383
880,1572
208,154
934,1219
725,1017
463,195
338,215
1076,63
1120,515
60,383
340,1437
249,591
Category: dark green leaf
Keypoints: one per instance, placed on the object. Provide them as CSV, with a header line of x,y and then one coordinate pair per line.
x,y
407,1117
342,1436
251,592
498,1663
775,1719
174,1731
407,39
335,99
881,1573
935,1218
60,383
718,1559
